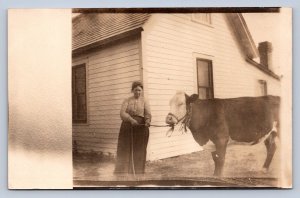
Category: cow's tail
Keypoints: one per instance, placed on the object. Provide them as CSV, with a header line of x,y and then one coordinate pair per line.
x,y
271,145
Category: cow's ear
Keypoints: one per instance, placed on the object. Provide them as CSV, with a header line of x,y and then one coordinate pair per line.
x,y
192,98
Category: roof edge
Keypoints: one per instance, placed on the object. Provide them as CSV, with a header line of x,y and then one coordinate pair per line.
x,y
263,69
107,40
249,36
243,34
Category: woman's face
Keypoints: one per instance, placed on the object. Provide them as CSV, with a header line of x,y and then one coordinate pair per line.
x,y
137,91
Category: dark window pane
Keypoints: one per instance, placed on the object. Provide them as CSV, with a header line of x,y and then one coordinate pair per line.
x,y
263,87
79,103
81,107
210,93
80,73
205,81
80,86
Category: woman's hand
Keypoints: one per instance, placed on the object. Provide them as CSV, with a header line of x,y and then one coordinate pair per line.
x,y
147,124
134,122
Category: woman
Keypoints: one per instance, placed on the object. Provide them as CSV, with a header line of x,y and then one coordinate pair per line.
x,y
134,133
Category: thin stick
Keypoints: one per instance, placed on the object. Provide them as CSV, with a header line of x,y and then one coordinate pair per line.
x,y
132,162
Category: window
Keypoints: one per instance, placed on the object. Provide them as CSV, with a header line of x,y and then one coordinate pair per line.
x,y
79,104
204,18
205,79
263,87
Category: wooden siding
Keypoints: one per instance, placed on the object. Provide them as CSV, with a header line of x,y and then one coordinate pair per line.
x,y
110,72
171,44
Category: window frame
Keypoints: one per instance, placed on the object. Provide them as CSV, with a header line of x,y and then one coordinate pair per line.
x,y
76,121
210,78
263,85
194,19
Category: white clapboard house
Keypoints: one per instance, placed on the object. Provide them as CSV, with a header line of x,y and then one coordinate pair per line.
x,y
211,54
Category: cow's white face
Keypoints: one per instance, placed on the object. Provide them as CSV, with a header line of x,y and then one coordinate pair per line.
x,y
177,108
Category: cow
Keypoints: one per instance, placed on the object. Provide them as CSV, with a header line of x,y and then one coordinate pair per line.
x,y
243,119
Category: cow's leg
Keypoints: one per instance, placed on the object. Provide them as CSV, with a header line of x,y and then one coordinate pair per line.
x,y
219,156
271,148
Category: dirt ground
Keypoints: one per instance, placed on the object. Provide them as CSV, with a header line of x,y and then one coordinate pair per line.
x,y
243,168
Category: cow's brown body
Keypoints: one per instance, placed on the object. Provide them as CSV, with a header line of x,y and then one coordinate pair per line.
x,y
245,119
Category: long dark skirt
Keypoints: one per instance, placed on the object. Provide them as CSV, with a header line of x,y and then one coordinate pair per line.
x,y
132,148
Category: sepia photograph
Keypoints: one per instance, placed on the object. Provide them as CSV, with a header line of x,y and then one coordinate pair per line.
x,y
167,99
150,98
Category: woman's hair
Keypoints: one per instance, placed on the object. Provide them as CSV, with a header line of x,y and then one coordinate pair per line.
x,y
136,84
